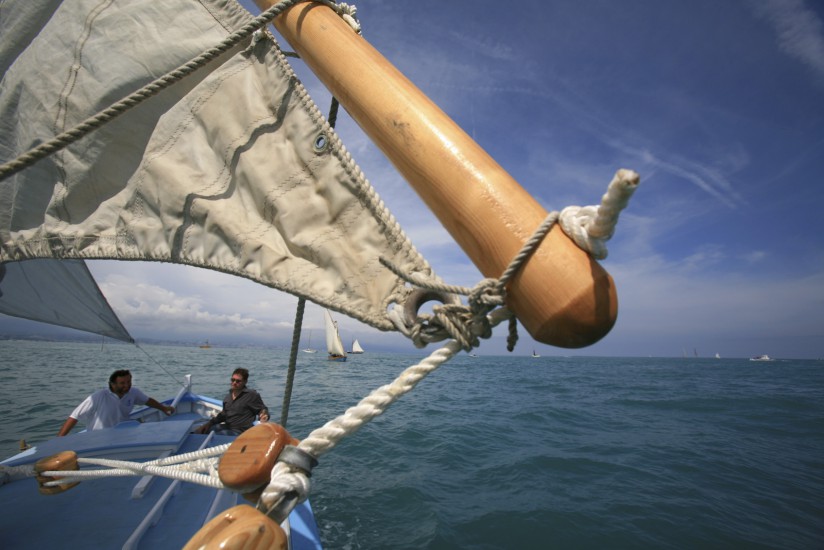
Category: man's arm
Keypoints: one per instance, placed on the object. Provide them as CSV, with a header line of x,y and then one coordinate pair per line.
x,y
67,426
168,409
261,408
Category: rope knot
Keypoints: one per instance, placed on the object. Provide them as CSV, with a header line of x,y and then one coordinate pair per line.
x,y
487,295
592,226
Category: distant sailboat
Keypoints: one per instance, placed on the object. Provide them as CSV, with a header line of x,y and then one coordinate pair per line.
x,y
356,347
333,342
534,354
308,348
205,345
717,356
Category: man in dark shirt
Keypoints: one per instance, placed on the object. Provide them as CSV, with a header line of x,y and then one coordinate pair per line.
x,y
240,407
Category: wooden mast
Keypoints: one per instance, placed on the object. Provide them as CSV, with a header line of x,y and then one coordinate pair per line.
x,y
561,296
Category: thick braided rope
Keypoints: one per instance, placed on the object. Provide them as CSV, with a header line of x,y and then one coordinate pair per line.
x,y
167,472
94,122
288,482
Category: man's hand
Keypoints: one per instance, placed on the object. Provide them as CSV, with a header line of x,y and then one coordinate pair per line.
x,y
264,416
168,409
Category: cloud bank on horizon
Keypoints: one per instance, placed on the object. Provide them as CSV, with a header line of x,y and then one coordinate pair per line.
x,y
717,106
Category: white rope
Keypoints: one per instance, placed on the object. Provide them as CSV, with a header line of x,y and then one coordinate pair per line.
x,y
186,467
169,473
592,226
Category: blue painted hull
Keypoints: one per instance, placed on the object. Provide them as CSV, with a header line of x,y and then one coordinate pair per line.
x,y
103,513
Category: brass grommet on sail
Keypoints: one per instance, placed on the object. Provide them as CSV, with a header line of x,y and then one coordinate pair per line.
x,y
321,143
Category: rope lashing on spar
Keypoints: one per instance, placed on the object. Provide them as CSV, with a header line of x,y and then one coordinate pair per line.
x,y
347,12
589,227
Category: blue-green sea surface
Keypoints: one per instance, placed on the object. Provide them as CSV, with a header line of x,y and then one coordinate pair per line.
x,y
505,452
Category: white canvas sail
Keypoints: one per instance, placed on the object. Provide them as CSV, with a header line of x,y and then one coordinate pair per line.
x,y
333,342
234,169
308,348
356,347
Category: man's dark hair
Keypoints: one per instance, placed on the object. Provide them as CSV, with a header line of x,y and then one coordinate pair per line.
x,y
243,372
117,374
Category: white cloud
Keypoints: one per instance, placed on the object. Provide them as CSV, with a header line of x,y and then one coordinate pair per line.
x,y
163,300
799,30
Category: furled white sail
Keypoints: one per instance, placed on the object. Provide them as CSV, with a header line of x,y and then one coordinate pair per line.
x,y
234,169
334,345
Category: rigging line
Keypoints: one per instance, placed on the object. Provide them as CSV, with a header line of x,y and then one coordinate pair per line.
x,y
64,139
293,359
153,360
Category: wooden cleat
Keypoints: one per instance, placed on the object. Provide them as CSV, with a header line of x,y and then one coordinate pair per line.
x,y
248,463
239,528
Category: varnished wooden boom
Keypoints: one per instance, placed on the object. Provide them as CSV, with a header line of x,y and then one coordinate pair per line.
x,y
561,295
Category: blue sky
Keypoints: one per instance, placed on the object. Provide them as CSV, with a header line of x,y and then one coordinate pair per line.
x,y
719,106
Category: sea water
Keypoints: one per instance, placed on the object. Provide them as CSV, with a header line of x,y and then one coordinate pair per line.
x,y
505,452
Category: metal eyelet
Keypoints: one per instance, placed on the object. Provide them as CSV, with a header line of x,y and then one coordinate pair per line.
x,y
321,143
419,297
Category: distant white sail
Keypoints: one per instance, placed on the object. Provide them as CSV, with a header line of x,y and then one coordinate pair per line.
x,y
308,348
333,342
356,347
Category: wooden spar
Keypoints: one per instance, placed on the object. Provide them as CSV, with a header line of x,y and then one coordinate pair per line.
x,y
561,296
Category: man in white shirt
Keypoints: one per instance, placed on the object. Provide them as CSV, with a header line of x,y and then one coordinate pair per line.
x,y
107,408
